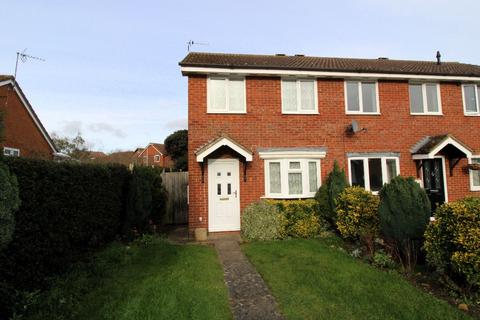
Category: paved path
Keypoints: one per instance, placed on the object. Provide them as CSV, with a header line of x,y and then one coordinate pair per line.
x,y
249,295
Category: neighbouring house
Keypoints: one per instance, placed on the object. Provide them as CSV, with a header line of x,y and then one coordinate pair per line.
x,y
271,126
23,132
154,154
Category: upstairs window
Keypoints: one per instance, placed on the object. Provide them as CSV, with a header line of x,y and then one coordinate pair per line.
x,y
299,96
361,97
292,178
372,173
425,98
157,158
226,95
471,100
11,152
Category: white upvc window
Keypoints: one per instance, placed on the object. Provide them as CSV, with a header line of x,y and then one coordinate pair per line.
x,y
299,96
361,97
425,99
474,174
471,99
11,152
373,172
226,95
292,178
157,158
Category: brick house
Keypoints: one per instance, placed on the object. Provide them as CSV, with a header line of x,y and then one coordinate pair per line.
x,y
271,126
23,133
154,154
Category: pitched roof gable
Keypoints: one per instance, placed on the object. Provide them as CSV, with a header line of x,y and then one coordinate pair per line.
x,y
307,63
10,80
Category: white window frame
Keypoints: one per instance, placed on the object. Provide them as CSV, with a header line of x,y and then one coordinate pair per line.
x,y
424,99
156,158
227,97
299,97
360,97
366,169
284,170
469,113
11,150
472,187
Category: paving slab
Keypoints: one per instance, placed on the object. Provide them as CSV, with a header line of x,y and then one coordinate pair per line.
x,y
250,297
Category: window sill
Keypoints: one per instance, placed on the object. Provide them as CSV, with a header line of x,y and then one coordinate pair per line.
x,y
471,114
426,114
363,113
301,113
226,112
288,197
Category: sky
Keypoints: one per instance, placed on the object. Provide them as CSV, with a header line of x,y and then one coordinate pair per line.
x,y
111,67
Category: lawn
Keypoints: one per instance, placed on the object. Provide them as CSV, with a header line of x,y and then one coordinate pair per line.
x,y
314,279
152,279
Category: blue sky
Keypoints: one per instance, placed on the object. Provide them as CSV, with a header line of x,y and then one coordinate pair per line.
x,y
111,69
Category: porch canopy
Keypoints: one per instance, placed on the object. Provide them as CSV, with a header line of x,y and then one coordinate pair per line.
x,y
446,145
222,141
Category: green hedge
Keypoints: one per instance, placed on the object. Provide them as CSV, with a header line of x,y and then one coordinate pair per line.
x,y
67,210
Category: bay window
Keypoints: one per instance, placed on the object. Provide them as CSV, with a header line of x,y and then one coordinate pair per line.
x,y
372,172
292,178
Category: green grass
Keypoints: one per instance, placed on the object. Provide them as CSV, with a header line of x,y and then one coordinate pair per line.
x,y
314,279
157,280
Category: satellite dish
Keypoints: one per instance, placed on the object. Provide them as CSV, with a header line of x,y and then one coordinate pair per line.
x,y
355,127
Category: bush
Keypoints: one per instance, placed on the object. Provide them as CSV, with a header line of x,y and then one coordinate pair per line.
x,y
357,216
327,195
262,221
145,201
9,202
452,241
404,212
383,260
66,211
301,217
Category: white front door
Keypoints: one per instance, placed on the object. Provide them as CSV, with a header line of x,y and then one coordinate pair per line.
x,y
223,195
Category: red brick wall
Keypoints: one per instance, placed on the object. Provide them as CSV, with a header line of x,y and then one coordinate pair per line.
x,y
395,130
148,158
20,131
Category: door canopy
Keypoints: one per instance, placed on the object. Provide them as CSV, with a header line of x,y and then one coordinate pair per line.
x,y
447,144
223,141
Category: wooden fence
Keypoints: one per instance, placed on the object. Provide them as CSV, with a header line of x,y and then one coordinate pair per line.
x,y
176,184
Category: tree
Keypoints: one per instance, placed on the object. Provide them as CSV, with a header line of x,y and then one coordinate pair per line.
x,y
177,148
76,147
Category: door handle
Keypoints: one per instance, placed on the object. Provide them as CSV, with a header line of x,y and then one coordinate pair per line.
x,y
235,193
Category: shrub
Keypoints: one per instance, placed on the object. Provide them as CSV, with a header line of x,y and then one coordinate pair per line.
x,y
66,211
383,260
146,199
262,221
357,216
9,202
327,195
452,241
301,217
404,212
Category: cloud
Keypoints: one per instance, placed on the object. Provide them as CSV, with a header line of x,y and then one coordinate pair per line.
x,y
103,127
71,128
181,123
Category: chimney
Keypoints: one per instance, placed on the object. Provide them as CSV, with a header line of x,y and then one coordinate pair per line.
x,y
438,57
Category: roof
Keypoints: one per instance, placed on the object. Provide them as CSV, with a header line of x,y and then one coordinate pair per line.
x,y
222,140
121,157
10,80
307,63
160,147
431,145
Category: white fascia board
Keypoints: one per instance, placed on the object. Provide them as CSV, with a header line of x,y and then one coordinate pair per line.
x,y
224,142
321,74
457,145
292,154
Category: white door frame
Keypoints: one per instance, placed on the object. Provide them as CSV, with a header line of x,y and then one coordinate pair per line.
x,y
212,195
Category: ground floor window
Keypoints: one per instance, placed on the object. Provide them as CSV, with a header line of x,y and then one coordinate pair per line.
x,y
292,178
372,172
475,175
11,152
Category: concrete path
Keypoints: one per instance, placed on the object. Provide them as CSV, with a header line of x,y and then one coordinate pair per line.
x,y
249,296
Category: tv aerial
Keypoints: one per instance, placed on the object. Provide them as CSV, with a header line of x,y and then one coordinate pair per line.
x,y
192,43
23,57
